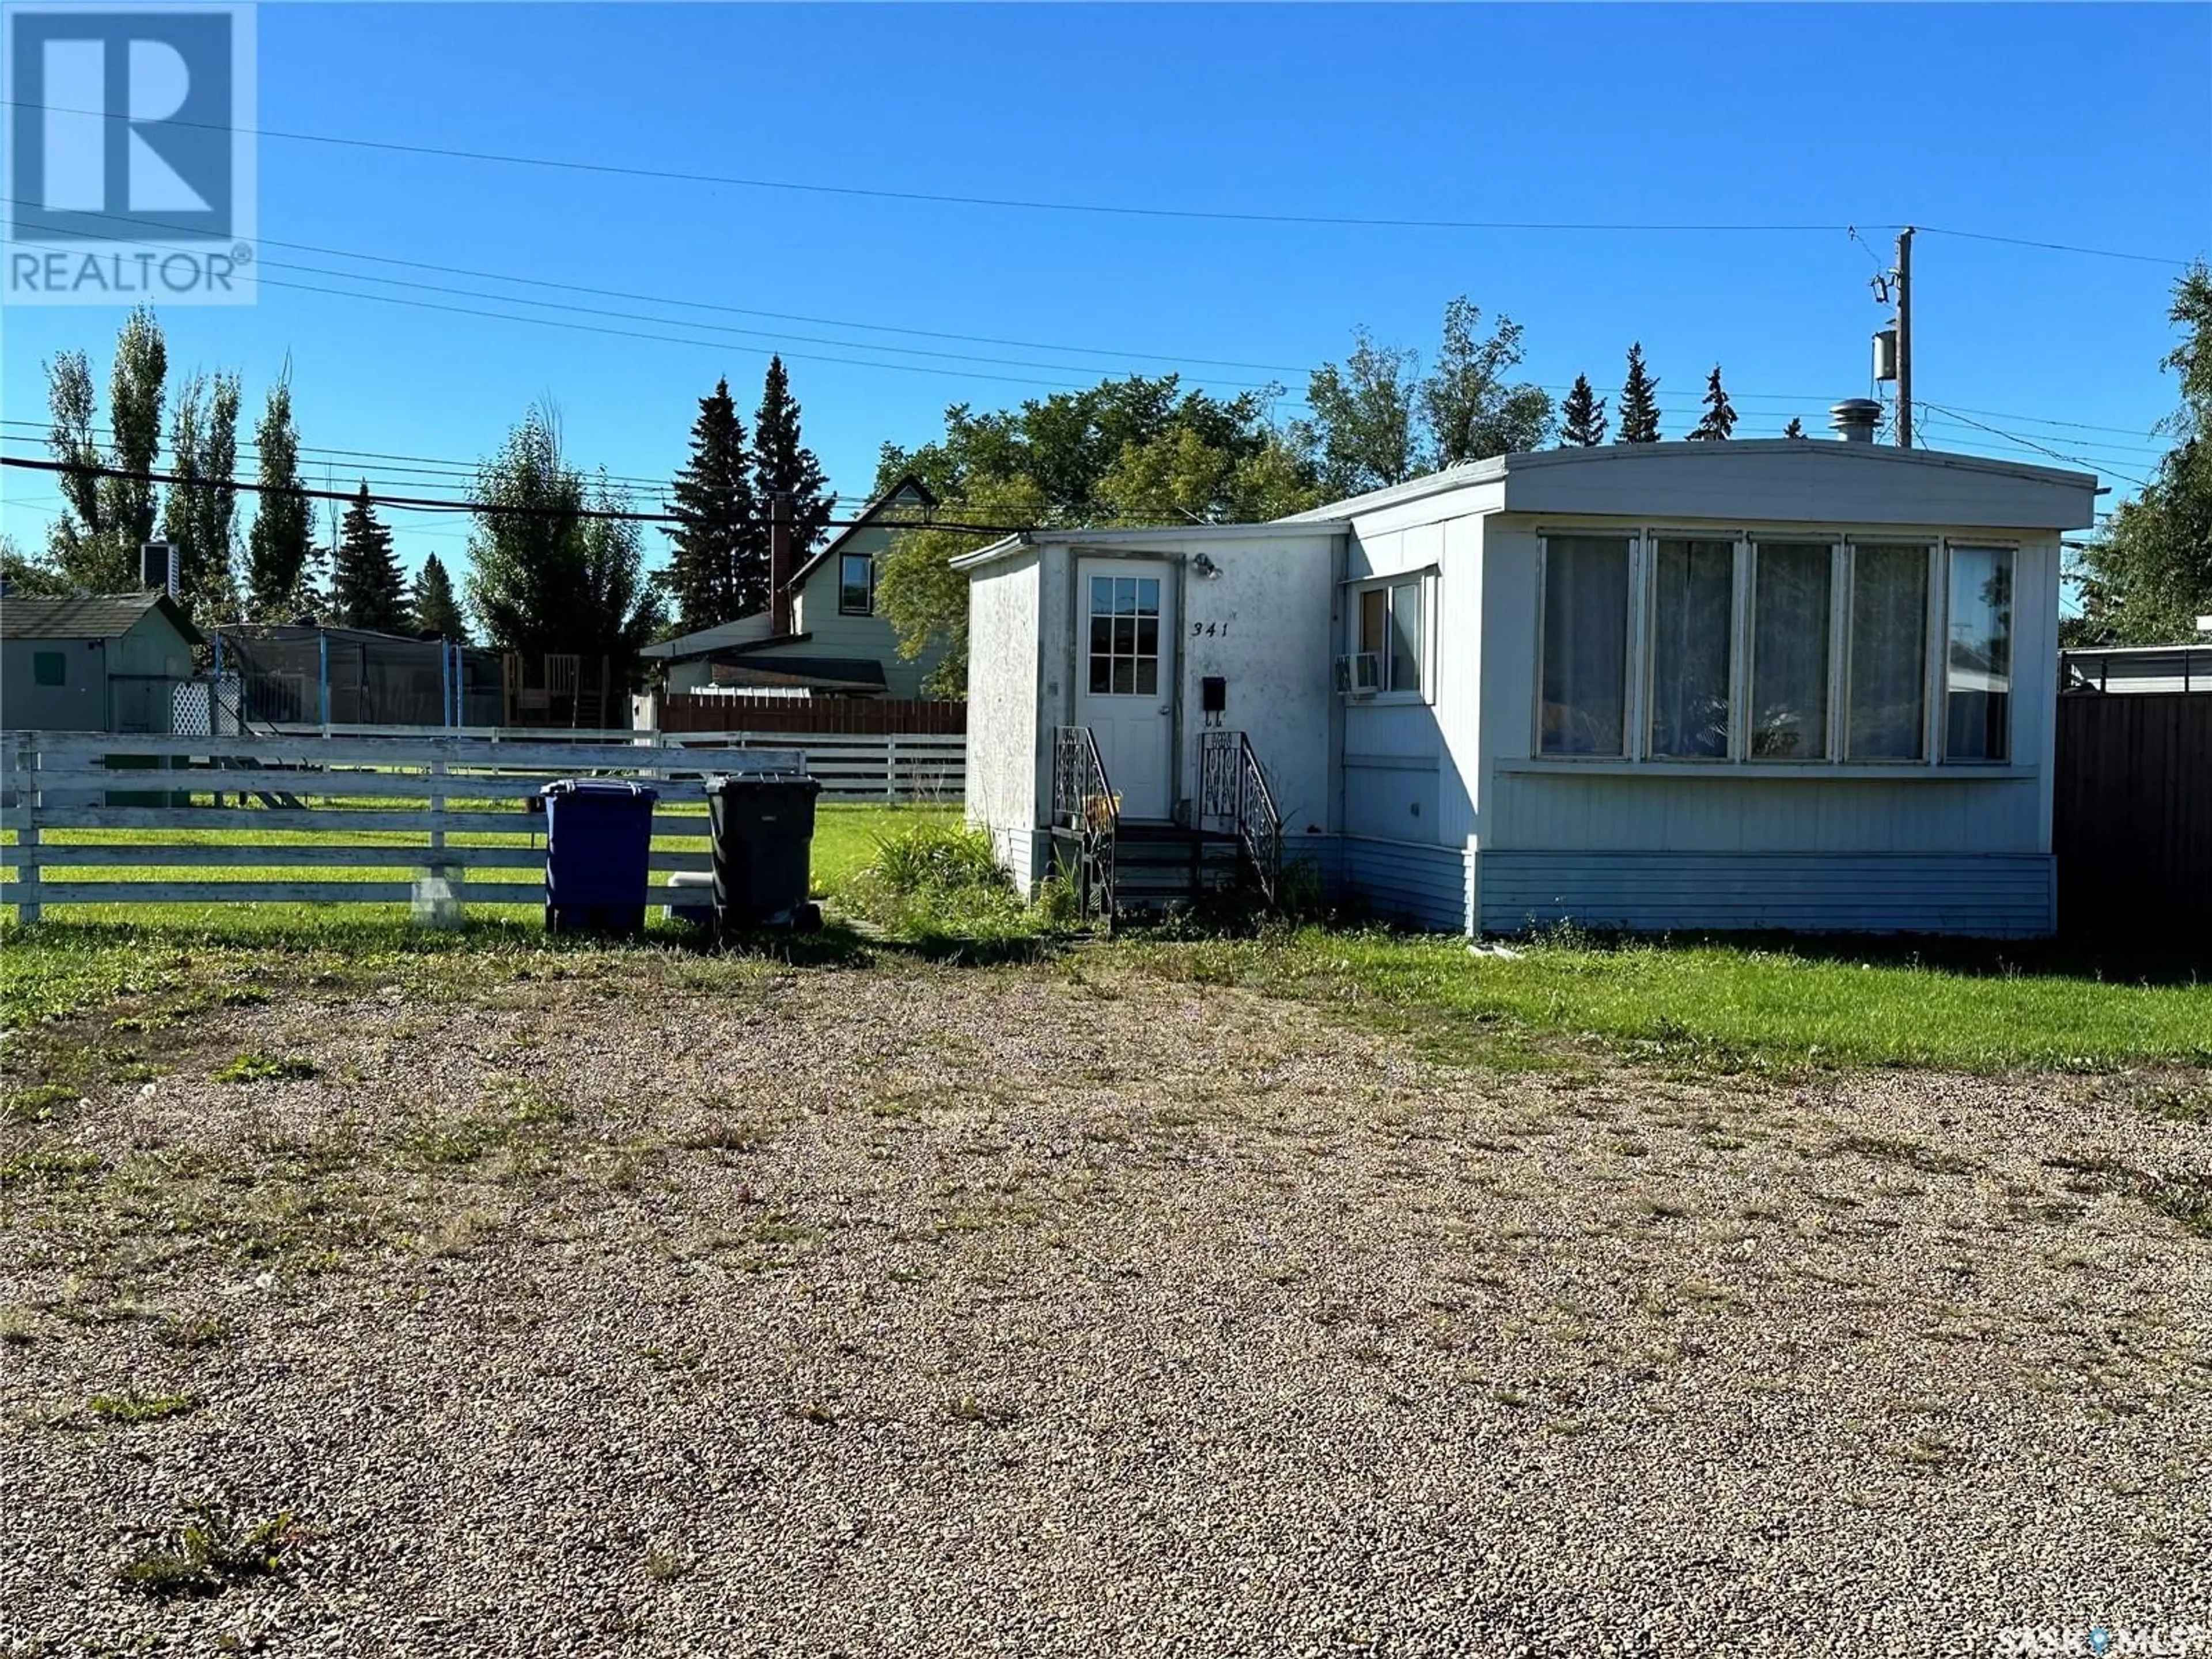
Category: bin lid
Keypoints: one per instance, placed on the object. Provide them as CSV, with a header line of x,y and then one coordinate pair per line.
x,y
599,786
726,782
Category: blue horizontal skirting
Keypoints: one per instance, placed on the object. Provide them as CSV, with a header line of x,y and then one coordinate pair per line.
x,y
1405,882
1980,894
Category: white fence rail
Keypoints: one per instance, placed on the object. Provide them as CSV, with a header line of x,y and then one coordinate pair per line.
x,y
210,805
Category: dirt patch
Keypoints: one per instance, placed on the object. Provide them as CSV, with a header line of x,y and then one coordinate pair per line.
x,y
1064,1310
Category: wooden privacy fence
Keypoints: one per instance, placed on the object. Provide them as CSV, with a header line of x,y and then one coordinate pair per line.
x,y
2131,819
452,816
894,766
719,711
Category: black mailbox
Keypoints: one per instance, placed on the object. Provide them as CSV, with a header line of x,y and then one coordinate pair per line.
x,y
1212,695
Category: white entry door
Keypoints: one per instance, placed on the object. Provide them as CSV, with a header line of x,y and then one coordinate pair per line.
x,y
1125,678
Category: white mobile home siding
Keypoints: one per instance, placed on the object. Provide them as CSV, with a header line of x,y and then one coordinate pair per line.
x,y
1006,719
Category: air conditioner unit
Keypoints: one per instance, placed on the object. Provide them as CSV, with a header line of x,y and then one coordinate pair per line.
x,y
1360,674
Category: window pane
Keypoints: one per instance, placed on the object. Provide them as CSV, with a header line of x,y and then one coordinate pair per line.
x,y
1888,653
1125,595
1124,636
1585,675
1148,596
1101,636
1789,651
1148,676
1405,637
1124,676
1101,593
1148,636
855,584
1101,669
1977,674
1693,606
1374,620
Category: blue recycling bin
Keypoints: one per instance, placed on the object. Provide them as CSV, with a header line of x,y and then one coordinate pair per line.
x,y
598,834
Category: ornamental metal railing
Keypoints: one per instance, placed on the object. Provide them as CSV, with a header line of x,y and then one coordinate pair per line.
x,y
1086,808
1233,796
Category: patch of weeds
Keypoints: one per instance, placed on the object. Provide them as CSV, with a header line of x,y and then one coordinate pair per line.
x,y
2181,1105
187,1332
242,996
252,1068
818,1412
207,1553
1512,1398
140,1408
664,1566
38,1104
1910,1154
2187,1198
19,1327
728,1135
1926,1451
969,1408
51,1167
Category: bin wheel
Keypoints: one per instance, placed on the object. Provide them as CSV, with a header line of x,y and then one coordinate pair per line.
x,y
552,919
807,918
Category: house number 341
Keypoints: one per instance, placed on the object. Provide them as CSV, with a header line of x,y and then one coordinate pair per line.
x,y
1208,628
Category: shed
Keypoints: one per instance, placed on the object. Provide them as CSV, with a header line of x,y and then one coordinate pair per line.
x,y
103,662
1785,684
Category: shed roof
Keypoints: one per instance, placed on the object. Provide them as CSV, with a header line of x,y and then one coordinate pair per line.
x,y
88,616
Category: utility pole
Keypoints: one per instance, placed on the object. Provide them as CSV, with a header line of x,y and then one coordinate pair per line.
x,y
1905,337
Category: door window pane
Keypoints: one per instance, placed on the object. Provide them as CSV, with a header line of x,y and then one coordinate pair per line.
x,y
1888,667
1692,612
1124,636
1585,645
1405,637
1790,603
1977,670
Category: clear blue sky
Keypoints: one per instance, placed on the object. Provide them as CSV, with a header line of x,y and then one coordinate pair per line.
x,y
2081,124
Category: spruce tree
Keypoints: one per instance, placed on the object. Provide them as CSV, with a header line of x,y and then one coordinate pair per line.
x,y
719,570
784,466
436,612
1639,402
1719,419
367,590
1584,416
1795,429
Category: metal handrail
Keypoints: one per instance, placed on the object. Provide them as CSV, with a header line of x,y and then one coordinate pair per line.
x,y
1233,791
1084,803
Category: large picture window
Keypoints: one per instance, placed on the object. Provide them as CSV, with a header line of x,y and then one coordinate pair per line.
x,y
1692,645
1791,585
1886,719
1585,645
1667,647
1978,666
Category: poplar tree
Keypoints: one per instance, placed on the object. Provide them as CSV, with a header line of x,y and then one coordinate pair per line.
x,y
276,550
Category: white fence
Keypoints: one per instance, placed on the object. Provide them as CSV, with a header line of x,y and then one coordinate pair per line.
x,y
209,805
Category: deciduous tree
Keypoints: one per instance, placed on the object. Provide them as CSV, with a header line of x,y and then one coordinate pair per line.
x,y
1470,410
111,501
199,512
277,549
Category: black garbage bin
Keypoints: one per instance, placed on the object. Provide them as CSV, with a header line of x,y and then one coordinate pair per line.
x,y
762,824
598,842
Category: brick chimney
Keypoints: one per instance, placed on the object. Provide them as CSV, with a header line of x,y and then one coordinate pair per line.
x,y
778,566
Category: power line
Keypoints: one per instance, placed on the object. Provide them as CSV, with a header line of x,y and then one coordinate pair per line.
x,y
2056,247
2029,443
675,175
491,508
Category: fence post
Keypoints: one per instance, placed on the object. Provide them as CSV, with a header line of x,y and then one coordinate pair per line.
x,y
890,766
27,839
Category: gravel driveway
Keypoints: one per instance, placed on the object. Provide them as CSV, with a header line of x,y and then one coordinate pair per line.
x,y
917,1311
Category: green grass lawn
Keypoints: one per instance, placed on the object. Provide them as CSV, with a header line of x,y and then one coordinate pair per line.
x,y
1968,1006
844,840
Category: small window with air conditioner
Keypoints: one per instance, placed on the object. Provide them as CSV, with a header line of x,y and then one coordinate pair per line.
x,y
1389,643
